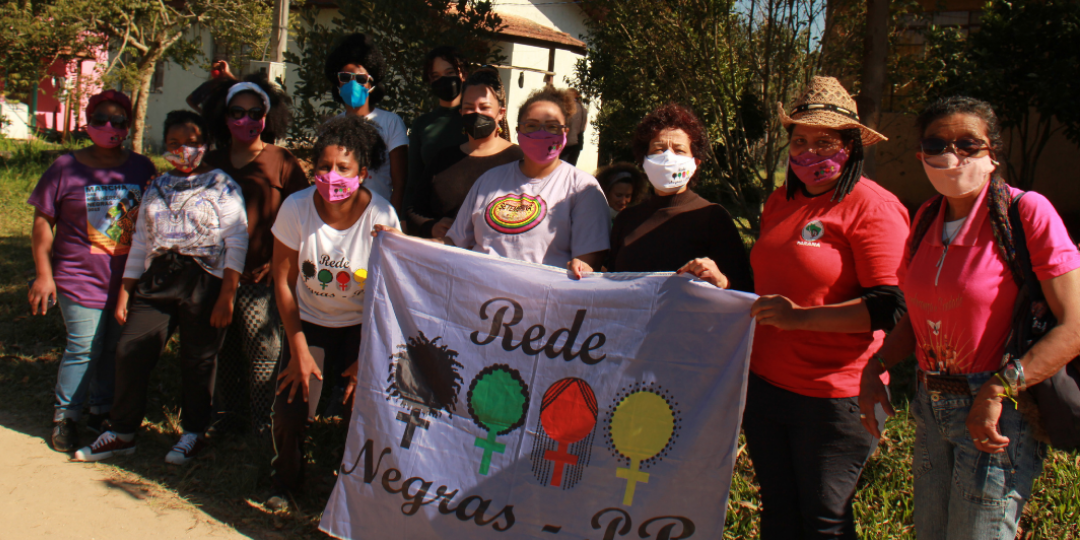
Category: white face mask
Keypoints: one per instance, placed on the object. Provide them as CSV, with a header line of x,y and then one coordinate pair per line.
x,y
957,177
669,171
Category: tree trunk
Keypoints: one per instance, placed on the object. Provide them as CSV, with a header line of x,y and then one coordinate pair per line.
x,y
146,76
875,52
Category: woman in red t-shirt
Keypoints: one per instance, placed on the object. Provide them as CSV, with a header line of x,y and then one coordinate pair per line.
x,y
825,267
976,456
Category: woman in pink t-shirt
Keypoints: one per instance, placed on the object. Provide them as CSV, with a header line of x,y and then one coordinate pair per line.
x,y
976,456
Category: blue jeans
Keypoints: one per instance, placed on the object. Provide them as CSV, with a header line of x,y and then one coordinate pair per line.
x,y
960,492
88,361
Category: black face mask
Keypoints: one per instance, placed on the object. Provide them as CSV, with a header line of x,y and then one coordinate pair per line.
x,y
447,88
477,125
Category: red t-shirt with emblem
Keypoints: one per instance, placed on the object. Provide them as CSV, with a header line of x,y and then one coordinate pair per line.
x,y
816,252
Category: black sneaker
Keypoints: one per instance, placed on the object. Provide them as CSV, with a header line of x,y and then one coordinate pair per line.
x,y
65,435
98,423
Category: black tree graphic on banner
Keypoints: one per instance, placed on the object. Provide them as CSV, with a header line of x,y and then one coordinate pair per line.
x,y
424,379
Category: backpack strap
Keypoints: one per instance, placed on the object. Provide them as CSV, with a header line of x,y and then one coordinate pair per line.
x,y
1019,239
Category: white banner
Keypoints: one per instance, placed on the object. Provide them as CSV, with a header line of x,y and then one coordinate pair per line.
x,y
502,399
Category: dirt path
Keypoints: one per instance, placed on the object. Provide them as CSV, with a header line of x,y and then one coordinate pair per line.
x,y
43,495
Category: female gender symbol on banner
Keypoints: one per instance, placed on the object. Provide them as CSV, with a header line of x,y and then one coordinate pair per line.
x,y
641,428
424,379
498,399
568,415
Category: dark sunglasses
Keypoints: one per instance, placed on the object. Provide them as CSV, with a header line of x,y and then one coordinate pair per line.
x,y
961,147
255,113
118,121
362,78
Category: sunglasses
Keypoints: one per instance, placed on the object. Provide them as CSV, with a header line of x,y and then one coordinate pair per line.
x,y
255,113
960,147
118,121
531,127
362,78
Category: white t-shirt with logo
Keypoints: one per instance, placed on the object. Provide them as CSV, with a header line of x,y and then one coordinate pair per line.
x,y
393,132
329,291
546,220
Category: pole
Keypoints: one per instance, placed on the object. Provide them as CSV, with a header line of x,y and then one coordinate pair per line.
x,y
33,107
279,37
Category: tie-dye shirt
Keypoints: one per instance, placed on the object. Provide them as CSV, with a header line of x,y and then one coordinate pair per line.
x,y
201,216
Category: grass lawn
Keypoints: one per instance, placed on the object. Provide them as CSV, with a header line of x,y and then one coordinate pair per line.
x,y
229,482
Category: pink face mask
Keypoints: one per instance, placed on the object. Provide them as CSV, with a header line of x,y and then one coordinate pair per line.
x,y
106,136
335,188
813,169
541,146
245,129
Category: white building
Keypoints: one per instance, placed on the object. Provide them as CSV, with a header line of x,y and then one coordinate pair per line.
x,y
538,38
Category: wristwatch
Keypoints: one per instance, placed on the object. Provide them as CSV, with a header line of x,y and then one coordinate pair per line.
x,y
1013,373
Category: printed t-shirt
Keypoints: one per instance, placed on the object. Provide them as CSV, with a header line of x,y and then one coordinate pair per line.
x,y
393,132
547,220
265,182
962,317
329,291
201,216
817,252
95,212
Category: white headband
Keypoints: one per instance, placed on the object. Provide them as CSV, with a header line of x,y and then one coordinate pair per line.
x,y
248,86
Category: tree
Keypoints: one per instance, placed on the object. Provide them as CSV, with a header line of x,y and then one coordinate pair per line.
x,y
875,53
1025,61
142,33
405,31
35,35
730,61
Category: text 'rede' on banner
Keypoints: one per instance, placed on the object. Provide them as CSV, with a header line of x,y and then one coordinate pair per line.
x,y
502,399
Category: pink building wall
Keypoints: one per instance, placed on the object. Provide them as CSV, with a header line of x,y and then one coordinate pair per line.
x,y
51,111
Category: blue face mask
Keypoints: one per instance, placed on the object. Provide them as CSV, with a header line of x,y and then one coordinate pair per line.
x,y
354,94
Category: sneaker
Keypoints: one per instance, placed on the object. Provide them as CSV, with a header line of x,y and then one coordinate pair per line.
x,y
185,449
278,502
98,423
65,435
106,446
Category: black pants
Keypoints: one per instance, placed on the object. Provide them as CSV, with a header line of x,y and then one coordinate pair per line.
x,y
247,365
808,454
570,153
175,292
335,350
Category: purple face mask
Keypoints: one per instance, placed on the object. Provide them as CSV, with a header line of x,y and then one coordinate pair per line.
x,y
541,146
106,136
813,169
245,129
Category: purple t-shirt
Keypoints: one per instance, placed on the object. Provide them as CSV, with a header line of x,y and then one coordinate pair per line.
x,y
95,212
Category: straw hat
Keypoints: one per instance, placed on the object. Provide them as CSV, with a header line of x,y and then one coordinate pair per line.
x,y
826,104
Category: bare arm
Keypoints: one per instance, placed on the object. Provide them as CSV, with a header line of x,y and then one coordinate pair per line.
x,y
1062,343
899,344
43,291
846,317
399,171
297,374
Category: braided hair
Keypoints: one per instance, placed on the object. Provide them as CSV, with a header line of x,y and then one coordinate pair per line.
x,y
849,175
998,196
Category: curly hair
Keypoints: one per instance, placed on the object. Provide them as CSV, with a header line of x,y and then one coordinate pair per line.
x,y
357,49
559,96
180,117
490,78
621,172
671,116
358,135
447,52
215,110
849,175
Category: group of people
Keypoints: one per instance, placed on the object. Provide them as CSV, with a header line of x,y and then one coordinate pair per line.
x,y
235,222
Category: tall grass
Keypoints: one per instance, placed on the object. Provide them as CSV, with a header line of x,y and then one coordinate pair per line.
x,y
233,477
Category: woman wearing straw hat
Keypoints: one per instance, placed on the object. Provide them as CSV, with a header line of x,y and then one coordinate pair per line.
x,y
825,267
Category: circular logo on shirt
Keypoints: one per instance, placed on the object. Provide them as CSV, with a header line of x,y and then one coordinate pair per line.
x,y
813,231
515,214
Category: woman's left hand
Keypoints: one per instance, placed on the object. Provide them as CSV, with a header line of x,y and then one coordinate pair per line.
x,y
577,268
705,269
778,311
223,312
982,420
350,377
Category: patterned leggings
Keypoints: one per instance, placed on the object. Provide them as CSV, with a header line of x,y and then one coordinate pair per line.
x,y
248,362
